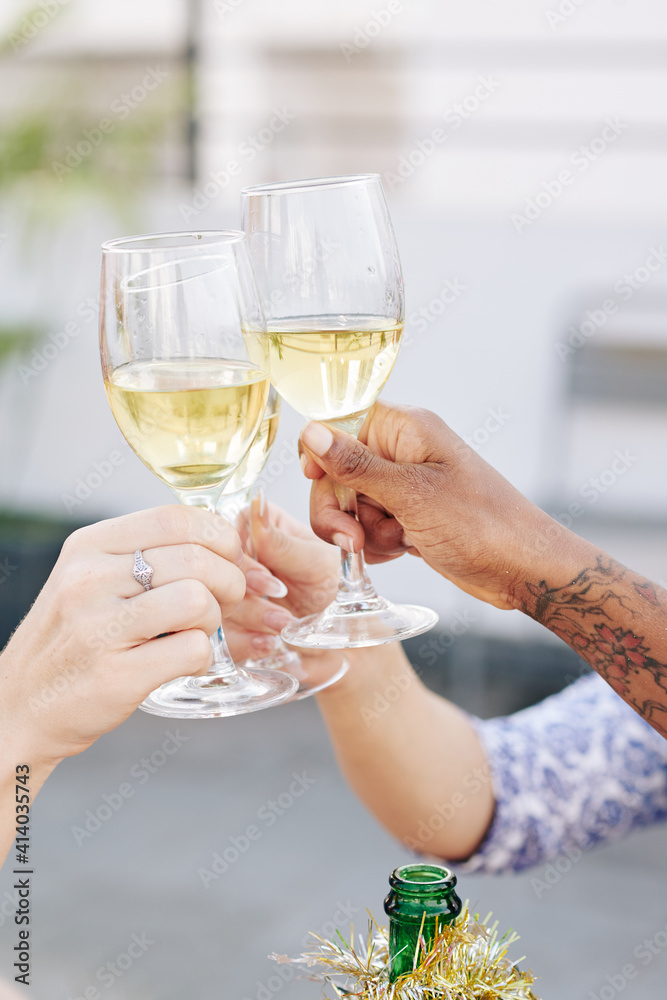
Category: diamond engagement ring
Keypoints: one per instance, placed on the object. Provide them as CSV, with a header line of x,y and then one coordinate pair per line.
x,y
142,572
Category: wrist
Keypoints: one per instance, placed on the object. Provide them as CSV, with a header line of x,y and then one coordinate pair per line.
x,y
19,747
551,556
371,670
15,758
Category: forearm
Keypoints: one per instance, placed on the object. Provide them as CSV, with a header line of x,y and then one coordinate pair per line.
x,y
614,618
412,757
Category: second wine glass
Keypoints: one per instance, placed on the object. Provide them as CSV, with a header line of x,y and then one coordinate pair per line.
x,y
327,267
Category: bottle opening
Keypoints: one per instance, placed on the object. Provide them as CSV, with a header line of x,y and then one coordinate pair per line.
x,y
416,877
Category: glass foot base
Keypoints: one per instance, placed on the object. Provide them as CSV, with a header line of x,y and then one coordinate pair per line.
x,y
367,623
312,676
212,697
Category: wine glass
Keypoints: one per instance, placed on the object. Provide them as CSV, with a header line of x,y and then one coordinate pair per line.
x,y
234,500
189,402
327,268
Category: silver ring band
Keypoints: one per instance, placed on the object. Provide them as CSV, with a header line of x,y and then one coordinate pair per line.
x,y
142,572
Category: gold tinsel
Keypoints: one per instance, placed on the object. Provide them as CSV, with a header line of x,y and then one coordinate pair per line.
x,y
467,961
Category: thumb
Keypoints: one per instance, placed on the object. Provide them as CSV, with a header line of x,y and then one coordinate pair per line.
x,y
349,462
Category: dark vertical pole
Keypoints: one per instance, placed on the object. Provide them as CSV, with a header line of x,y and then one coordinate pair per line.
x,y
193,13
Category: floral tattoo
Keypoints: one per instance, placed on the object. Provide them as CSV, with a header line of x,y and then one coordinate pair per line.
x,y
594,614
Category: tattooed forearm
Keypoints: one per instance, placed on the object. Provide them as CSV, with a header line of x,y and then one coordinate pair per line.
x,y
591,594
617,622
647,591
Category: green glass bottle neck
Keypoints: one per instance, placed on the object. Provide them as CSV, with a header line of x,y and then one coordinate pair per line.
x,y
421,902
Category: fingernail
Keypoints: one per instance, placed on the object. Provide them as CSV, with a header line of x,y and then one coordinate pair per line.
x,y
263,583
406,542
343,541
304,462
264,643
317,437
277,619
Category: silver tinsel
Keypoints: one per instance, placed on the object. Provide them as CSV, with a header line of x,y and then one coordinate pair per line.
x,y
467,961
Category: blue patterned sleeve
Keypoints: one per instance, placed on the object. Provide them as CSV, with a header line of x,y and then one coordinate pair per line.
x,y
580,768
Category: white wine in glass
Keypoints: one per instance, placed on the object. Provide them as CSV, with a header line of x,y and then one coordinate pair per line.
x,y
327,267
189,421
189,402
325,372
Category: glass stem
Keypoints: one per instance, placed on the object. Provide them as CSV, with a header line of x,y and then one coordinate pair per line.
x,y
223,666
354,586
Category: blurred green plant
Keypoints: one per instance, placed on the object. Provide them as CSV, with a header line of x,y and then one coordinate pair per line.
x,y
35,136
17,339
